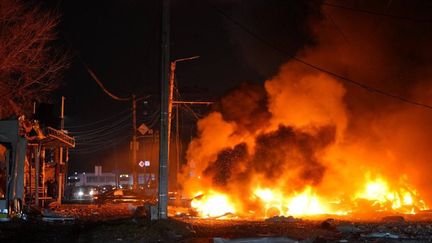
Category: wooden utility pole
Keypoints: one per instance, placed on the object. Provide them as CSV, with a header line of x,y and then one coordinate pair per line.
x,y
163,139
171,102
61,177
134,145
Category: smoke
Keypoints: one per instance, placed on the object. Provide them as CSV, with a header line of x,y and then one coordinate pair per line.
x,y
277,133
306,128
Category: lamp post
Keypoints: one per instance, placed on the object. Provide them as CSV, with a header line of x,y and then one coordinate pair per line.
x,y
171,89
170,108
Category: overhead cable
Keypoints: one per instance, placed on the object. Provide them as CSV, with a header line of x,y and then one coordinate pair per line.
x,y
319,68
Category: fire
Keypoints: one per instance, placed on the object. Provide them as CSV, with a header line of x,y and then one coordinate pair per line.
x,y
402,199
304,203
377,193
292,147
212,204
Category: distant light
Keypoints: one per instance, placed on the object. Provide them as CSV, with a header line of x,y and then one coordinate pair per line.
x,y
80,193
147,163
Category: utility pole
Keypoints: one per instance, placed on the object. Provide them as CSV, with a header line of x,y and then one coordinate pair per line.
x,y
163,139
62,113
134,145
171,89
171,101
61,177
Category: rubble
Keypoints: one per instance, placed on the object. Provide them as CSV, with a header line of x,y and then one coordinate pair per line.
x,y
381,235
50,216
394,219
289,219
102,224
256,240
328,224
348,228
92,212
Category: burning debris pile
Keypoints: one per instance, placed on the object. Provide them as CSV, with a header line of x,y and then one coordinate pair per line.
x,y
285,150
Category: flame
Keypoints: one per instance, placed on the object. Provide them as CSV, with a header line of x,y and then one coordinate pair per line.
x,y
275,202
287,149
304,203
402,199
212,204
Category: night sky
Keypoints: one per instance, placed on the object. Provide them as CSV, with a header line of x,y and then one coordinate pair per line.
x,y
119,41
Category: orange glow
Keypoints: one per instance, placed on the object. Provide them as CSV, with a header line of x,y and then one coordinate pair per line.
x,y
213,204
385,198
275,202
304,203
293,148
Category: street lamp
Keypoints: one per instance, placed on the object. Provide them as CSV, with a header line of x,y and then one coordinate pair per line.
x,y
171,90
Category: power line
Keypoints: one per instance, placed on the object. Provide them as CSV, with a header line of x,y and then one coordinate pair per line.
x,y
364,11
316,67
103,87
102,128
98,121
339,30
103,135
101,147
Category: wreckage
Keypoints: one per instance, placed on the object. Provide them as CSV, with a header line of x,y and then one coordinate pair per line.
x,y
33,165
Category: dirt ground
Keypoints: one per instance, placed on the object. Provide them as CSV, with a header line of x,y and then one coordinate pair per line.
x,y
122,223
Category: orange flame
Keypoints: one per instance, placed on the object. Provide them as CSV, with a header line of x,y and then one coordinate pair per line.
x,y
402,199
307,202
212,204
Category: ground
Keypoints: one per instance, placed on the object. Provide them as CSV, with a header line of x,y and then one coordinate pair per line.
x,y
122,223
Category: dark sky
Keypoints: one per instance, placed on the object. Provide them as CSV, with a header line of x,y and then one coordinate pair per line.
x,y
119,40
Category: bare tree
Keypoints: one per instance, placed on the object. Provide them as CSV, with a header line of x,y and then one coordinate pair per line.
x,y
29,64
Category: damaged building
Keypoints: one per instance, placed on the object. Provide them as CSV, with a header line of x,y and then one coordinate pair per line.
x,y
33,165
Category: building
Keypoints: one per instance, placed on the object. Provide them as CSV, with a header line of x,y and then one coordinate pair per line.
x,y
33,164
98,178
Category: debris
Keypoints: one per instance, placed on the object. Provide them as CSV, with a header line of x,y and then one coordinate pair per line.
x,y
49,213
256,240
381,235
393,219
223,215
348,228
53,219
289,219
151,211
328,224
132,208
